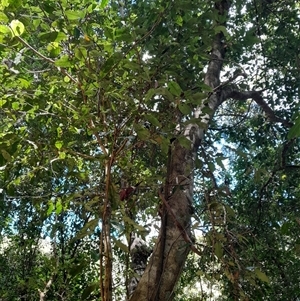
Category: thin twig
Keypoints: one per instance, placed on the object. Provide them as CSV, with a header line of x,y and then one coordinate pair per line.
x,y
62,70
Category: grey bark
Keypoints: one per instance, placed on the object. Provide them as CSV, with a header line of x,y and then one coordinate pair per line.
x,y
139,253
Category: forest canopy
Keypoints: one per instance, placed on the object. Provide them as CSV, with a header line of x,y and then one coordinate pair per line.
x,y
154,146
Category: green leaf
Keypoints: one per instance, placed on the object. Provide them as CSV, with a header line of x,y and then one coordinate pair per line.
x,y
15,105
150,93
54,36
88,290
2,102
261,275
54,49
184,108
63,62
17,27
3,17
4,3
50,208
205,87
88,228
76,269
6,155
58,144
58,206
109,63
230,211
174,88
67,79
138,227
219,161
222,29
295,129
142,132
80,53
179,20
24,83
5,29
103,3
218,248
121,246
166,93
251,38
132,65
206,110
74,15
152,119
184,141
286,228
211,166
62,155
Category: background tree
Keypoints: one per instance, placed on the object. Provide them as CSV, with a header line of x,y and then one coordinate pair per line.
x,y
100,97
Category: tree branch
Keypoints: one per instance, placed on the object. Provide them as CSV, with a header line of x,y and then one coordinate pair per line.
x,y
62,70
45,290
234,93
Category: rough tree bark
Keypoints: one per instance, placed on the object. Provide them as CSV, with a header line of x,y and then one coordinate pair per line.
x,y
172,247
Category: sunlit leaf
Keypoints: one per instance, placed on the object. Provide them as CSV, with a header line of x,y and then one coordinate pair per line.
x,y
2,102
62,155
103,3
63,62
15,105
17,27
74,15
5,29
80,52
50,208
58,144
3,17
58,206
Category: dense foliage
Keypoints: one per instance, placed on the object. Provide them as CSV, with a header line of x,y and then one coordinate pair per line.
x,y
92,94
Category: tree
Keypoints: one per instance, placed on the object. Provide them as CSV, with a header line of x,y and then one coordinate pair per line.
x,y
110,97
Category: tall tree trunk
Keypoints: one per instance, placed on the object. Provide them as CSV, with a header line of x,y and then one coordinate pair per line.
x,y
105,244
172,247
